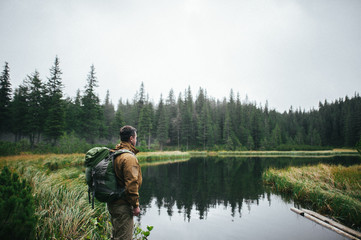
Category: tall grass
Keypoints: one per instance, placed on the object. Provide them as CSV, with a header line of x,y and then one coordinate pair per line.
x,y
160,156
63,209
61,197
330,190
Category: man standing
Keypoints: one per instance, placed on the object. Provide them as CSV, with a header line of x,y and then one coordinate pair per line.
x,y
129,175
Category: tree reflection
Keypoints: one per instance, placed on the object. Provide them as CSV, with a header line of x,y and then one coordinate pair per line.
x,y
203,183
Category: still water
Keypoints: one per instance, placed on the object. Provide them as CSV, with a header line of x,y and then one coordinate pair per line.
x,y
224,198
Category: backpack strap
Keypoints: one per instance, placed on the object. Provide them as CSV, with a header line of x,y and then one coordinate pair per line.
x,y
118,152
92,190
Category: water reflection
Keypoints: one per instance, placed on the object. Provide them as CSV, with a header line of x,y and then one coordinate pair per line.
x,y
205,183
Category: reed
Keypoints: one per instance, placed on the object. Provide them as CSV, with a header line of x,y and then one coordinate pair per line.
x,y
161,156
61,200
63,209
330,190
199,153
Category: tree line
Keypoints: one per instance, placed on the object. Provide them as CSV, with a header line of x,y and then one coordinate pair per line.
x,y
38,111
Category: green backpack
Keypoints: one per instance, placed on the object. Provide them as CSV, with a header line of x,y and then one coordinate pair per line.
x,y
100,175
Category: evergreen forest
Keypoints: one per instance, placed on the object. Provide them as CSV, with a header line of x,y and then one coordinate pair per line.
x,y
36,114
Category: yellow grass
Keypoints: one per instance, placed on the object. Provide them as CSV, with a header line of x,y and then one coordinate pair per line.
x,y
160,153
323,153
36,157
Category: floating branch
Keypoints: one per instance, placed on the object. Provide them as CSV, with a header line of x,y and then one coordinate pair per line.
x,y
328,223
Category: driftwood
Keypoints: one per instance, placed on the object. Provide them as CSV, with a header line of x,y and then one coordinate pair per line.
x,y
333,223
328,223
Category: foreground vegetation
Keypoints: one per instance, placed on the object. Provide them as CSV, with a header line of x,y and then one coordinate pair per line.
x,y
330,190
61,206
60,195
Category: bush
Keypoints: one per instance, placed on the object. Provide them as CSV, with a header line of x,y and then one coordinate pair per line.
x,y
17,219
14,148
70,143
7,148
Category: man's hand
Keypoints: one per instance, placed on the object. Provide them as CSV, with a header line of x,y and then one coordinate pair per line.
x,y
136,211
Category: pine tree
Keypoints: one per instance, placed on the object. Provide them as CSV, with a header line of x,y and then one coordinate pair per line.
x,y
187,130
5,98
227,135
276,138
109,115
256,130
205,127
73,114
171,110
138,104
146,123
19,111
55,117
119,119
35,115
162,124
178,121
91,110
250,143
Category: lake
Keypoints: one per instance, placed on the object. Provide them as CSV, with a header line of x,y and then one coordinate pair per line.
x,y
224,198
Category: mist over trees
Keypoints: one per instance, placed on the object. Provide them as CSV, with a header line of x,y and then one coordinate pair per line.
x,y
38,112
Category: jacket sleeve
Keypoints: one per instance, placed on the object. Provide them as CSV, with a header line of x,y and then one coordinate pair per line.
x,y
131,180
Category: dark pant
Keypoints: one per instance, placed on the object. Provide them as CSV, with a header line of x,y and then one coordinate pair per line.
x,y
122,221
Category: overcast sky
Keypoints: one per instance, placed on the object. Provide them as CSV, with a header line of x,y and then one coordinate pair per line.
x,y
289,52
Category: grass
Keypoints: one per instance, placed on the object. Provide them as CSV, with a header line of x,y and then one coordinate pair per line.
x,y
57,161
62,205
327,189
161,156
334,152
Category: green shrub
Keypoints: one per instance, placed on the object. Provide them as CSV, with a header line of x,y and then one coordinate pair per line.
x,y
70,143
140,234
14,148
17,219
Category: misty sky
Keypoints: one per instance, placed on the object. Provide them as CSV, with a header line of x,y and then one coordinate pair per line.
x,y
288,52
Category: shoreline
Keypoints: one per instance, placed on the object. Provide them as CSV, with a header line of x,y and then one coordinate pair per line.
x,y
328,190
323,153
161,155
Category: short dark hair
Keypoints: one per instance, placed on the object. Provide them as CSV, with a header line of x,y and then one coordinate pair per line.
x,y
125,133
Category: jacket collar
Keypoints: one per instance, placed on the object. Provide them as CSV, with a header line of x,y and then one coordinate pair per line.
x,y
127,146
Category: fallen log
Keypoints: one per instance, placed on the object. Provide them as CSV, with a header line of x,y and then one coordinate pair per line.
x,y
325,223
333,223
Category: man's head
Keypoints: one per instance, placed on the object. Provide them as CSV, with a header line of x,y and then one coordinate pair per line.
x,y
128,134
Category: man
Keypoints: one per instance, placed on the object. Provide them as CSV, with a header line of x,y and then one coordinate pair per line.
x,y
128,174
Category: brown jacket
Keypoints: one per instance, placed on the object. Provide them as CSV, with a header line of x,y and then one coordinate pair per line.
x,y
128,174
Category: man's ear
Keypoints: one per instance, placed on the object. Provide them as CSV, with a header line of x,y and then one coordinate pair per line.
x,y
131,139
